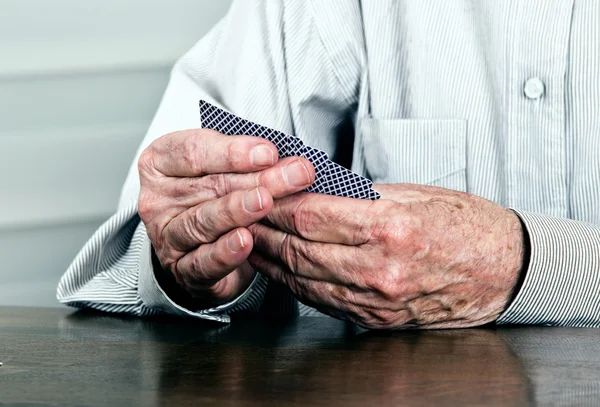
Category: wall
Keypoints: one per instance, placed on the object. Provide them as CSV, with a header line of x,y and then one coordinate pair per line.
x,y
79,84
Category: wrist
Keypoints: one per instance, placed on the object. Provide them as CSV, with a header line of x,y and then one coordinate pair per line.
x,y
221,292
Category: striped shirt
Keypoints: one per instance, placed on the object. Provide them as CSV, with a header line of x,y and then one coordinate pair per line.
x,y
496,98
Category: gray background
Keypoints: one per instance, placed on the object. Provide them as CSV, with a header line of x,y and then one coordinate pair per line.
x,y
79,84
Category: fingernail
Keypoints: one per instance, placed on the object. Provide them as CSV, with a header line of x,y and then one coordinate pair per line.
x,y
262,155
253,201
235,242
296,174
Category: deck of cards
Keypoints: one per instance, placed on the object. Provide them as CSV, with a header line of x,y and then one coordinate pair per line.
x,y
331,178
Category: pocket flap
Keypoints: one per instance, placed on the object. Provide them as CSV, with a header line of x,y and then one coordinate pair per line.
x,y
414,151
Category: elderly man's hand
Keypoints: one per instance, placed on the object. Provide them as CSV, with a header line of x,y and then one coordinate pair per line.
x,y
421,256
199,191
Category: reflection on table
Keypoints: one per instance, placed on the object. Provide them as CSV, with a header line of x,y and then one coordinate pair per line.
x,y
53,357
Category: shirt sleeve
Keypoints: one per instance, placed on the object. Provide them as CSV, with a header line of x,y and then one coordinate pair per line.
x,y
562,283
239,66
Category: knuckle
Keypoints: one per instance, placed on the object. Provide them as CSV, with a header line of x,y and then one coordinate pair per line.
x,y
266,178
383,226
201,225
235,156
231,207
184,187
193,156
386,284
308,255
273,179
304,218
289,254
145,162
198,266
145,207
217,185
430,309
393,233
168,260
196,278
381,318
367,229
381,232
406,235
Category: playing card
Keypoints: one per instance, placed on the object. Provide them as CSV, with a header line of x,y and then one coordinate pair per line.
x,y
373,195
320,161
343,182
290,146
331,178
224,122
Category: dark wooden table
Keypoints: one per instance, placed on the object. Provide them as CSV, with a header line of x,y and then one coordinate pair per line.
x,y
58,357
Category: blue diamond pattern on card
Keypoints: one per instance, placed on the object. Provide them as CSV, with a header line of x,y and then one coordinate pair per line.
x,y
224,122
331,178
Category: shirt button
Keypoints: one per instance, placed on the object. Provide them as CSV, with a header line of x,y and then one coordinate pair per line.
x,y
534,88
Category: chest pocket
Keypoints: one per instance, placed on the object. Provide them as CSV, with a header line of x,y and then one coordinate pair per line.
x,y
428,152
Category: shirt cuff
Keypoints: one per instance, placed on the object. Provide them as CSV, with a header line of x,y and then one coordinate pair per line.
x,y
153,296
562,284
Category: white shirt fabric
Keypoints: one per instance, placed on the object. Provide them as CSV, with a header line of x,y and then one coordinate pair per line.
x,y
496,98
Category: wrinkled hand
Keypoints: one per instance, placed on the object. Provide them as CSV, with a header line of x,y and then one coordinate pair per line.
x,y
199,190
420,256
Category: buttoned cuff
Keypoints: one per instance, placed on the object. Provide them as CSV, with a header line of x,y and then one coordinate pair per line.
x,y
562,284
153,296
